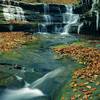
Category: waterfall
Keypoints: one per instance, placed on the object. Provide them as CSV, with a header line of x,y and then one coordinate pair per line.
x,y
31,91
20,79
22,94
20,14
64,18
7,1
10,27
47,19
26,84
70,20
42,28
46,8
58,29
48,76
97,20
85,1
93,9
79,27
39,30
13,13
3,1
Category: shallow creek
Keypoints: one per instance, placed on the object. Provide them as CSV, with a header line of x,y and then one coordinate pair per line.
x,y
37,72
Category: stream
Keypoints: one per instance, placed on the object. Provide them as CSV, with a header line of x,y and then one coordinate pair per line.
x,y
33,71
42,74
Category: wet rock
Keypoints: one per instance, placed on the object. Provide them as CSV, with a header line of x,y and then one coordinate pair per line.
x,y
18,67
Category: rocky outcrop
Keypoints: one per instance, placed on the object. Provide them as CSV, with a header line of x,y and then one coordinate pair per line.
x,y
50,1
19,16
90,21
50,18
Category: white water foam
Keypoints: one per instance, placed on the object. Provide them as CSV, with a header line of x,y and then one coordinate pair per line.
x,y
71,19
13,13
22,94
18,78
20,14
47,19
27,93
26,84
79,27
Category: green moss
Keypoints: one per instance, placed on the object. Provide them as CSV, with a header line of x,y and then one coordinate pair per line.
x,y
59,46
13,55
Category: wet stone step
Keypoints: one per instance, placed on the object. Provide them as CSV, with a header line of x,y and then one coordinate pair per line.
x,y
38,7
49,28
15,27
37,17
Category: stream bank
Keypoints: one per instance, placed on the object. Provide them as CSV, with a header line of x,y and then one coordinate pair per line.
x,y
85,82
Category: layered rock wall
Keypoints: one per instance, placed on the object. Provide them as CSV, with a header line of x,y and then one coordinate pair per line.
x,y
50,18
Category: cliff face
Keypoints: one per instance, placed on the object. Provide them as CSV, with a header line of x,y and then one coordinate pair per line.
x,y
37,17
90,20
42,17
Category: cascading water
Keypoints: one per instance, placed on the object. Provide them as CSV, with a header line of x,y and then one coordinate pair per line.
x,y
85,1
46,9
70,19
22,94
52,23
20,14
93,9
42,28
47,77
31,90
64,18
20,79
79,27
51,78
47,19
13,13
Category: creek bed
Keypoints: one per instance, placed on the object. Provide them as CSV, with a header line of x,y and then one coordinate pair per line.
x,y
35,65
